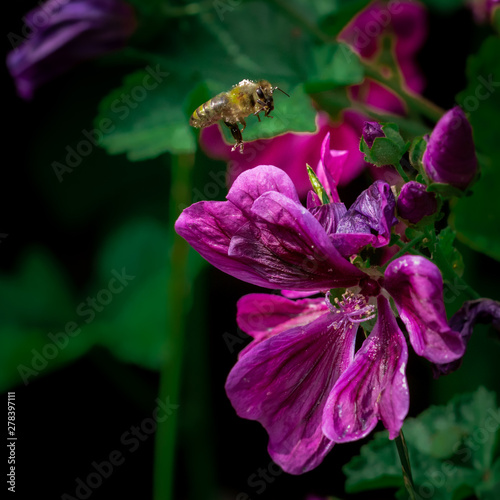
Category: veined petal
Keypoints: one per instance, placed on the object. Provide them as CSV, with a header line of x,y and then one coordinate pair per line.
x,y
208,227
284,382
368,220
259,180
329,215
289,248
416,286
262,315
374,386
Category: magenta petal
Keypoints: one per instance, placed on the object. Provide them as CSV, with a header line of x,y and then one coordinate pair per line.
x,y
252,183
369,220
284,382
292,294
329,216
374,386
262,315
290,248
416,285
208,227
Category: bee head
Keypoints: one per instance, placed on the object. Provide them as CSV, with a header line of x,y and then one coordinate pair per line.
x,y
264,93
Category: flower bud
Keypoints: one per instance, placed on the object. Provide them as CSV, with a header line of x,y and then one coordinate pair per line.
x,y
450,157
382,143
372,130
415,203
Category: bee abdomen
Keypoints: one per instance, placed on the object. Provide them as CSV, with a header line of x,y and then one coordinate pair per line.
x,y
209,112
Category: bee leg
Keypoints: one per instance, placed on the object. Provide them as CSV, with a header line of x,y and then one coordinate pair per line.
x,y
244,123
236,133
257,115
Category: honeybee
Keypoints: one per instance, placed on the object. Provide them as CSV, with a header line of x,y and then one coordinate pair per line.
x,y
244,98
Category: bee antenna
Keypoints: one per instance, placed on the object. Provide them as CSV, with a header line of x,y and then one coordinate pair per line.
x,y
277,88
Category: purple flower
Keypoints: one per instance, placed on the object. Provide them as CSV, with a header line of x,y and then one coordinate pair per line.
x,y
406,21
301,377
450,157
263,234
64,33
414,202
302,380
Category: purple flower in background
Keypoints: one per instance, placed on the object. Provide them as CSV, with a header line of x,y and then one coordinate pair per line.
x,y
450,157
406,21
291,151
414,202
486,311
64,33
301,377
483,9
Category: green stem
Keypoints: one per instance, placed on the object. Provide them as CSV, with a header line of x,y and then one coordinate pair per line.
x,y
415,102
405,465
401,172
170,375
406,248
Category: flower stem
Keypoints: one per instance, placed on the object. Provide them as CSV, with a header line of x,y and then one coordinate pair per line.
x,y
177,293
405,465
401,172
407,247
415,102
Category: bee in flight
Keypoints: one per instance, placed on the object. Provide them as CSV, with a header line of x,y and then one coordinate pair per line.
x,y
245,98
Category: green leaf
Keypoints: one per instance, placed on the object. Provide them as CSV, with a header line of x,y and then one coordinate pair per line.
x,y
451,451
340,13
335,65
38,321
145,117
475,218
133,325
386,150
377,466
447,249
